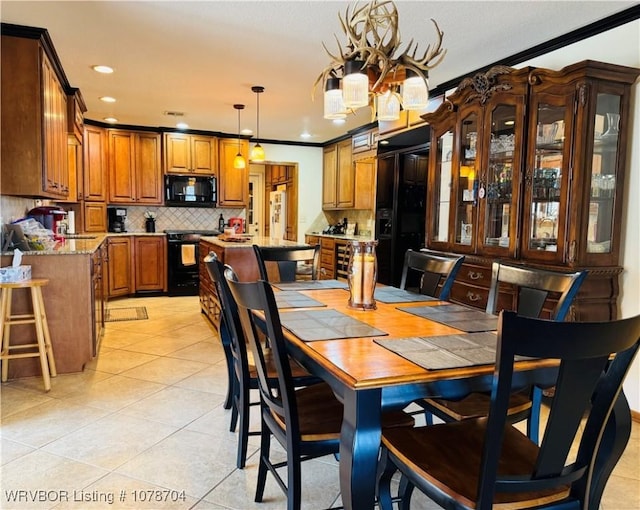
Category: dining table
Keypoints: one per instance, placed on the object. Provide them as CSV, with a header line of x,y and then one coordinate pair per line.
x,y
369,379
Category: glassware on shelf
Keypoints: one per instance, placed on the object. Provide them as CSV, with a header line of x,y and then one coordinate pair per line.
x,y
613,125
362,273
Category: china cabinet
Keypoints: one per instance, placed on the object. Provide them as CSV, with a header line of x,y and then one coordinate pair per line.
x,y
529,167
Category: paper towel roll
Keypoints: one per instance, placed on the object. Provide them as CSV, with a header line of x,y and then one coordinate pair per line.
x,y
71,222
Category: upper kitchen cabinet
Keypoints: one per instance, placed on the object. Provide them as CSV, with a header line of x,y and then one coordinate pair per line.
x,y
95,164
364,145
338,177
135,169
233,183
185,154
529,166
34,116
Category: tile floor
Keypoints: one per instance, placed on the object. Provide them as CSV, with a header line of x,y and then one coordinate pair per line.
x,y
143,427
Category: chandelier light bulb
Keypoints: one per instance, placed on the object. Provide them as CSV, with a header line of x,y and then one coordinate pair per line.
x,y
388,106
415,94
355,85
333,104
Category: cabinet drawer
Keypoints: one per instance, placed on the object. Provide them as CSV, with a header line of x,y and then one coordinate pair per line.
x,y
327,258
327,243
471,295
474,274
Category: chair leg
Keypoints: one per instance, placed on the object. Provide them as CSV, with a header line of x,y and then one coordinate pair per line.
x,y
386,469
404,492
265,444
243,430
294,477
228,401
428,417
533,422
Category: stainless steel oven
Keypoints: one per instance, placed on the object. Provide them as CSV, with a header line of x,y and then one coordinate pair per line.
x,y
183,261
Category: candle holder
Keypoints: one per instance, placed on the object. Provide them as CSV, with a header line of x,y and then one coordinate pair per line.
x,y
362,273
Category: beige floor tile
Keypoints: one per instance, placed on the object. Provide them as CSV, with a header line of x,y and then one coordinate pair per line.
x,y
190,461
202,351
47,422
116,339
163,405
118,361
14,399
63,385
621,493
212,379
161,345
115,393
166,370
10,450
110,441
129,493
50,479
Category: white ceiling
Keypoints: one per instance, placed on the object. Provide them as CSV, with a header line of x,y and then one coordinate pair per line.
x,y
202,57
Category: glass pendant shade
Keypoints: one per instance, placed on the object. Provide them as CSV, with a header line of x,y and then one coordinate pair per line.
x,y
257,153
415,95
333,104
388,106
238,162
355,85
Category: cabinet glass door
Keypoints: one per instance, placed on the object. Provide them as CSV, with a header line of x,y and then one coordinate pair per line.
x,y
496,185
603,174
465,185
441,189
545,180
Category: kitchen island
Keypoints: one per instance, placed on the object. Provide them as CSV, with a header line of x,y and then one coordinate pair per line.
x,y
240,256
74,303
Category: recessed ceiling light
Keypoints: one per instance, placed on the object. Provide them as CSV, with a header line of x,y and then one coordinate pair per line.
x,y
246,131
384,142
182,125
509,122
102,69
339,121
305,135
108,99
110,119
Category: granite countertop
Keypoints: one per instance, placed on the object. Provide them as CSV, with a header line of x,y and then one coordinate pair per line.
x,y
259,240
342,236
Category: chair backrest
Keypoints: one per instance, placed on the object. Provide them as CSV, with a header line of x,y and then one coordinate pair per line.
x,y
533,287
278,395
594,360
287,258
230,318
438,271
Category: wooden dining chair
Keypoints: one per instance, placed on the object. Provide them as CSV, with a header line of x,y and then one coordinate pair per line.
x,y
244,376
533,287
287,259
437,271
305,421
482,462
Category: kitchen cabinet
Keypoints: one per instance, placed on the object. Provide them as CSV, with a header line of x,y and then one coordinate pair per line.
x,y
76,168
34,118
185,154
98,294
120,266
75,115
135,171
94,217
364,145
150,263
338,177
327,258
233,183
529,167
95,164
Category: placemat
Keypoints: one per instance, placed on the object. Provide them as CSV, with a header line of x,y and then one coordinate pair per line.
x,y
294,299
448,351
311,285
396,295
325,325
456,316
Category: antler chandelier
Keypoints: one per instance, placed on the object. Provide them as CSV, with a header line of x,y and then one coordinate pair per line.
x,y
367,71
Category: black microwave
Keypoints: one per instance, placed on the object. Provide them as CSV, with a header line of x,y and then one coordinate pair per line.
x,y
190,190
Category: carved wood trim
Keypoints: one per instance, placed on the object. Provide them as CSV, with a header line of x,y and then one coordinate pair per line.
x,y
485,85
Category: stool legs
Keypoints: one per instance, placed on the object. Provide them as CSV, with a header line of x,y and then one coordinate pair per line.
x,y
42,347
45,331
5,330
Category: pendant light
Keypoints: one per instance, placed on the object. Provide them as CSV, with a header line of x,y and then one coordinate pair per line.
x,y
239,162
355,85
333,103
257,152
415,94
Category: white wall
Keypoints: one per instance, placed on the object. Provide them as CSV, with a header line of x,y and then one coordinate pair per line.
x,y
618,46
309,160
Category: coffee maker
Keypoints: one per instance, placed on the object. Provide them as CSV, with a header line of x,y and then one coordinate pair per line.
x,y
117,217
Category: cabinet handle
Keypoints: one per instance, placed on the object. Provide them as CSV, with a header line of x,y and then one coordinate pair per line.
x,y
475,275
473,297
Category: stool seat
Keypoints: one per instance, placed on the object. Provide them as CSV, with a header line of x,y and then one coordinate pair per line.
x,y
42,347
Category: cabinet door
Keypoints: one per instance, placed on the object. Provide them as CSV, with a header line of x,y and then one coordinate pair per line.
x,y
56,176
547,176
233,183
120,276
439,187
177,153
95,169
203,155
150,265
345,181
329,177
121,167
148,166
95,217
365,184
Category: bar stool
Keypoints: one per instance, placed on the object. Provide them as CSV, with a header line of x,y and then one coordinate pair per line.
x,y
38,318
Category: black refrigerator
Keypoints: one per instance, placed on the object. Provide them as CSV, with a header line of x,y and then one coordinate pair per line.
x,y
401,196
